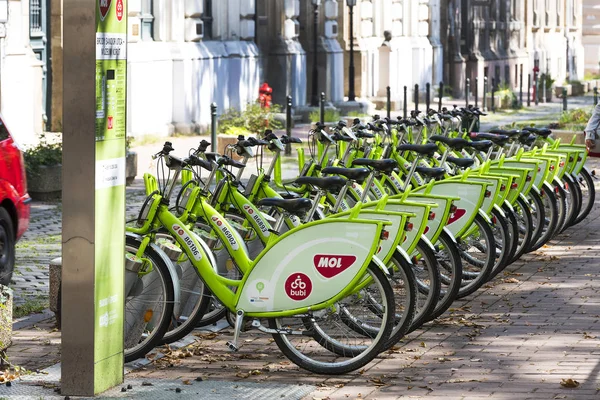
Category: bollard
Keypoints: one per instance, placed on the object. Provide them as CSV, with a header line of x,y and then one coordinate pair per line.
x,y
493,90
213,127
528,90
485,90
288,124
322,104
416,96
467,89
388,105
536,96
542,85
564,94
476,90
405,101
596,95
521,88
441,95
427,95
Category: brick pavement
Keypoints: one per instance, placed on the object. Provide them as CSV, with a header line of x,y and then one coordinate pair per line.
x,y
518,337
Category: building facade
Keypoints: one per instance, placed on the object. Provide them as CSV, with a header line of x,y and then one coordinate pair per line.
x,y
591,36
23,68
186,54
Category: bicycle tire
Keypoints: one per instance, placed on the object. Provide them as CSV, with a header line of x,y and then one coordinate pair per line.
x,y
513,225
560,195
502,240
315,355
195,299
450,267
550,218
573,200
524,223
588,194
136,318
427,278
476,272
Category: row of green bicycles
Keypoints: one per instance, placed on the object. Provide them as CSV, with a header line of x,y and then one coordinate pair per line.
x,y
385,226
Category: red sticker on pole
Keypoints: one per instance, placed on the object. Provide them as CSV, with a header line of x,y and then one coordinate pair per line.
x,y
104,7
119,10
298,286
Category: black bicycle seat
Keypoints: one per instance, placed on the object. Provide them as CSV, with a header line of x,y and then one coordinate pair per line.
x,y
431,172
386,165
424,149
500,140
293,206
461,162
332,183
482,145
453,143
544,132
511,132
356,174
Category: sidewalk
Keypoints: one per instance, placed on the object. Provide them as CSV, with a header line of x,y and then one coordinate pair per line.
x,y
518,337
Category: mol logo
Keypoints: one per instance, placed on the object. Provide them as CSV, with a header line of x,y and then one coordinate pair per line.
x,y
332,265
298,286
193,249
104,6
456,215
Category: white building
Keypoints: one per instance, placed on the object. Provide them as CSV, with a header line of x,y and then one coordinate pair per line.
x,y
22,67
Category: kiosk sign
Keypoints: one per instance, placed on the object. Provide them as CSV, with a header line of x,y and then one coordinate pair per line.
x,y
110,131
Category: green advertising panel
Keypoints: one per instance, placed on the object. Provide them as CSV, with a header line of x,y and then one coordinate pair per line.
x,y
111,88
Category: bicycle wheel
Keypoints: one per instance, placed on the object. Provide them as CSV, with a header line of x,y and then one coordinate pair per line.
x,y
513,226
536,206
561,199
573,200
477,252
427,275
335,348
525,224
550,220
450,267
588,194
502,240
195,299
148,305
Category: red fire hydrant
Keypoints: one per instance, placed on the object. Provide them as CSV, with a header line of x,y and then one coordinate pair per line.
x,y
264,95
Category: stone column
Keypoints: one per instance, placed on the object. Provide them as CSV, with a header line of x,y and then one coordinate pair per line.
x,y
457,64
436,43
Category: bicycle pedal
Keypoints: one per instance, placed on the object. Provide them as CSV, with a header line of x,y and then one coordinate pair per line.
x,y
232,346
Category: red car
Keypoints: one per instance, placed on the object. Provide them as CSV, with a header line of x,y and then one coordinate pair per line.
x,y
14,201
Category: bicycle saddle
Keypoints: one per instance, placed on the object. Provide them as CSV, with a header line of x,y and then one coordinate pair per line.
x,y
453,143
434,173
332,183
500,140
461,162
386,165
356,174
424,149
544,132
293,206
482,145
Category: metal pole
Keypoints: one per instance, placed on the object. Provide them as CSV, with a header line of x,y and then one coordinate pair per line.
x,y
416,95
351,94
405,101
543,85
564,94
493,90
536,96
521,88
213,127
315,79
441,95
476,90
467,89
288,124
388,92
322,104
528,90
596,95
427,96
485,90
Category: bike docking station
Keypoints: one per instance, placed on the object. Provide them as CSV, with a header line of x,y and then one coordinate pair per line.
x,y
93,236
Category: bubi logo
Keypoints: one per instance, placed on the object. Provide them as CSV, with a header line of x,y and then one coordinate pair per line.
x,y
104,7
332,265
298,286
119,10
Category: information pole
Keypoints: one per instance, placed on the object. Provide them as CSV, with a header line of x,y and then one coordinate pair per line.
x,y
94,130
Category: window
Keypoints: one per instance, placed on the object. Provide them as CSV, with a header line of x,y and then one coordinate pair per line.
x,y
147,19
35,18
207,19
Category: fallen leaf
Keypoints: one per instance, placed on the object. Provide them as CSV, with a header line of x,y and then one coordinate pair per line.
x,y
377,382
242,375
569,383
588,336
423,344
186,382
